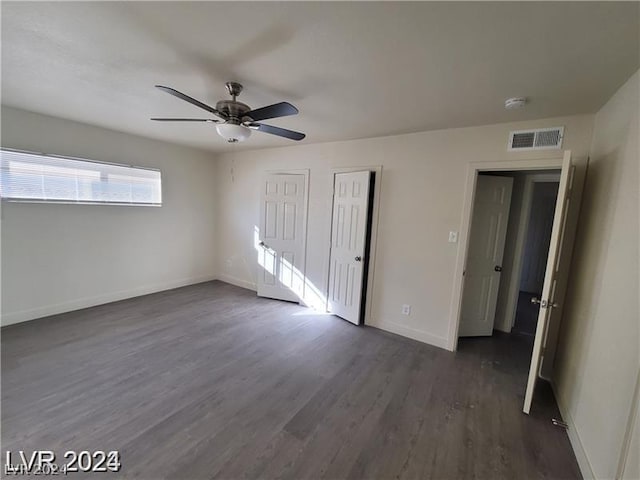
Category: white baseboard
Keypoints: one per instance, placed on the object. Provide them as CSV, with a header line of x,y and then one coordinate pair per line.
x,y
412,333
11,318
574,438
237,282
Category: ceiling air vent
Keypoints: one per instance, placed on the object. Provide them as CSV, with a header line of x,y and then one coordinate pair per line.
x,y
539,139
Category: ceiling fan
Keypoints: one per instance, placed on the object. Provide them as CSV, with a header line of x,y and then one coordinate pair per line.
x,y
237,119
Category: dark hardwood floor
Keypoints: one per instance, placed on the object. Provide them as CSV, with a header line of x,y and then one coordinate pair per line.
x,y
209,381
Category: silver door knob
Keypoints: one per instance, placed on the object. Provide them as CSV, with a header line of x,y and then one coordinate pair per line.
x,y
544,303
262,244
358,258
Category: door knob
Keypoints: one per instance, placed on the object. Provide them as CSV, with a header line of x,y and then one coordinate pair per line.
x,y
358,258
497,268
262,244
544,303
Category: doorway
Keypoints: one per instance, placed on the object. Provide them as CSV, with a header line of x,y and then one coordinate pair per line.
x,y
508,249
539,207
556,265
511,225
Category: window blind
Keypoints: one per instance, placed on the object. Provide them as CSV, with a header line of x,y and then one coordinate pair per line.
x,y
34,177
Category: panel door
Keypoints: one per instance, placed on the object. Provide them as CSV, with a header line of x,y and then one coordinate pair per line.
x,y
557,266
281,246
348,242
484,260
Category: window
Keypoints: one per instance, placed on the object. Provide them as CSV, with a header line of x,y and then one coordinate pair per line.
x,y
34,177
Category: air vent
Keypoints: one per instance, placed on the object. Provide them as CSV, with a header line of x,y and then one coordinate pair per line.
x,y
539,139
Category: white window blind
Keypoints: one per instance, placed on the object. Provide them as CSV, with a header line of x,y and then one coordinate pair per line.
x,y
46,178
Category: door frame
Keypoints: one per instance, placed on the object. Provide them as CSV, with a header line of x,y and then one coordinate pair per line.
x,y
305,211
373,235
523,229
467,210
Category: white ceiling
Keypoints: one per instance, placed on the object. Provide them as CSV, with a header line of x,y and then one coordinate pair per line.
x,y
353,69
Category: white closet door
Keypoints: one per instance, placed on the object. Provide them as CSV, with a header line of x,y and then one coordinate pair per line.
x,y
281,247
348,242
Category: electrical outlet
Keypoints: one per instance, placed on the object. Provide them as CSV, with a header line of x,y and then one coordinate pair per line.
x,y
453,237
406,309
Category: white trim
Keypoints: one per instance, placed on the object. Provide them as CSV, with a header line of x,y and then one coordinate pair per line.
x,y
574,438
69,306
628,436
238,282
523,229
414,334
461,259
377,169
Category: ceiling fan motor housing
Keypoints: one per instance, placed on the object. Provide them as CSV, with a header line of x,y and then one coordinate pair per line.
x,y
233,110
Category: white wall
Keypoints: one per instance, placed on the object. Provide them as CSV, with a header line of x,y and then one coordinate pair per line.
x,y
57,258
598,353
423,181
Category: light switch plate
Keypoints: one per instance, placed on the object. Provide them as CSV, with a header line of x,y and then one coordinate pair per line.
x,y
406,309
453,237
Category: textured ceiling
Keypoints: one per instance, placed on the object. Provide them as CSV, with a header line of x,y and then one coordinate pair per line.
x,y
353,69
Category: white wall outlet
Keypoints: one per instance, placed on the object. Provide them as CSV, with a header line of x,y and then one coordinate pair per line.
x,y
453,237
406,309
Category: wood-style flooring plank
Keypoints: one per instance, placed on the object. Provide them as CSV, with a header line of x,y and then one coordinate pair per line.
x,y
210,381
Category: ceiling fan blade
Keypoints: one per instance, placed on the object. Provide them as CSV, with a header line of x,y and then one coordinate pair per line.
x,y
193,101
185,120
276,110
281,132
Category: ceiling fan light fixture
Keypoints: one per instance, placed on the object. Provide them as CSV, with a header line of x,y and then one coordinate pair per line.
x,y
233,133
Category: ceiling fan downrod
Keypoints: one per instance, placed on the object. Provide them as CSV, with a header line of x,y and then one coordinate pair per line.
x,y
234,89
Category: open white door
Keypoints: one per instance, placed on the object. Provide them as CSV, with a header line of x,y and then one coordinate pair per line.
x,y
556,267
281,247
348,242
484,260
